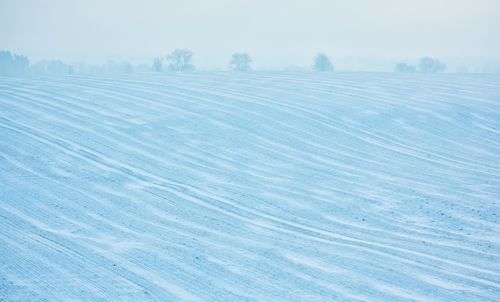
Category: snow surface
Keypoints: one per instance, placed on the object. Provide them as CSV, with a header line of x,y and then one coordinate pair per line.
x,y
250,187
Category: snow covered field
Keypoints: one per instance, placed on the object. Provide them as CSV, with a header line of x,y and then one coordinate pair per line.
x,y
250,187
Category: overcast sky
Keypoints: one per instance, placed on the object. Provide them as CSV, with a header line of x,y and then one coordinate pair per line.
x,y
275,33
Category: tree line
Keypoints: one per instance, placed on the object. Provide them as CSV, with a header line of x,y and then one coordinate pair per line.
x,y
17,65
179,60
426,65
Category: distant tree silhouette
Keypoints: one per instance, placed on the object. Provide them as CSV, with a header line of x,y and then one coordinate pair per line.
x,y
322,63
403,67
180,60
240,62
157,64
13,64
54,67
430,65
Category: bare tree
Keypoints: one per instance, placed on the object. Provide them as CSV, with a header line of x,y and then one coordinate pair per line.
x,y
430,65
240,62
180,60
322,63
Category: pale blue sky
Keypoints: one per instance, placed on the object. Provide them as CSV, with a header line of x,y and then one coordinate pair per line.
x,y
275,33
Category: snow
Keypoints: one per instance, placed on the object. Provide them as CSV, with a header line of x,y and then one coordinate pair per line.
x,y
265,186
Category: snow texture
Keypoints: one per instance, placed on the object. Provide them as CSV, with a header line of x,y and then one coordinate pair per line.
x,y
219,186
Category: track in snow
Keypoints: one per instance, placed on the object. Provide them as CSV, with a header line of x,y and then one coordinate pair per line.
x,y
250,187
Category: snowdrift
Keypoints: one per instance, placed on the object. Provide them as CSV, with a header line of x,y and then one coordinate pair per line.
x,y
250,187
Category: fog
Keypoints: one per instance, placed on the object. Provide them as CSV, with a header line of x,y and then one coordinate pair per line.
x,y
360,34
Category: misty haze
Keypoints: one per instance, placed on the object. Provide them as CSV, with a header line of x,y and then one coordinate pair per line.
x,y
249,150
